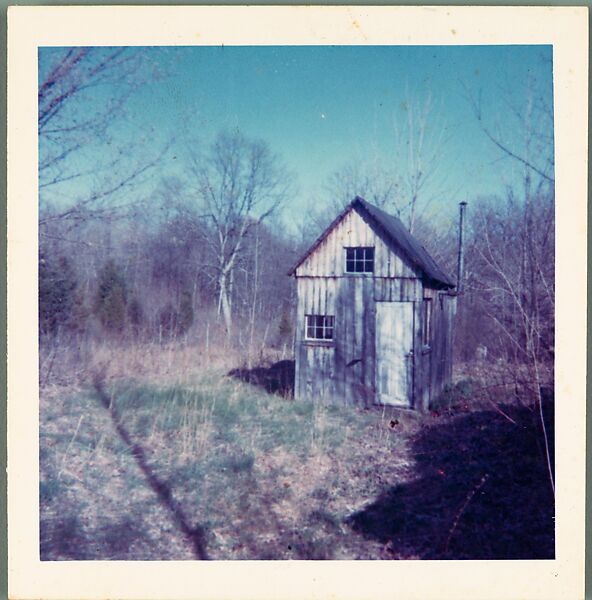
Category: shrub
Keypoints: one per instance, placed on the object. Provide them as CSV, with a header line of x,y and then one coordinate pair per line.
x,y
176,321
242,463
455,394
167,320
79,314
285,328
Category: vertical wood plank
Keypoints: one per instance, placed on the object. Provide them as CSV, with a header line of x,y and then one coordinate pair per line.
x,y
298,366
368,342
334,258
348,349
340,334
354,300
330,296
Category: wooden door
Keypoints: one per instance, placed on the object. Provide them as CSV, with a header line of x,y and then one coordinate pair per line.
x,y
394,353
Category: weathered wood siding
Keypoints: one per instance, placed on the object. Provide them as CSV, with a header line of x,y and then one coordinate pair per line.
x,y
328,259
322,367
344,369
433,362
444,311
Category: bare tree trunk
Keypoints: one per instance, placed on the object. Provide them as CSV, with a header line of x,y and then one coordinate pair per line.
x,y
539,401
219,306
255,290
230,289
224,303
419,146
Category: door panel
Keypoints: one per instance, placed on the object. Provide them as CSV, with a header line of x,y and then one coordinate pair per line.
x,y
394,353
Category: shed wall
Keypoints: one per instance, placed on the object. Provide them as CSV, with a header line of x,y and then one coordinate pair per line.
x,y
322,367
328,259
441,359
345,368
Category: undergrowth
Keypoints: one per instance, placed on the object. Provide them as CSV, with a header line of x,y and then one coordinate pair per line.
x,y
265,477
135,474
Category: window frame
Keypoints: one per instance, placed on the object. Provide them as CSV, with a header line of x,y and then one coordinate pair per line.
x,y
327,324
363,260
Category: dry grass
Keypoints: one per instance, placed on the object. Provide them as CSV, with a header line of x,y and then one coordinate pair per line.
x,y
174,363
266,476
263,476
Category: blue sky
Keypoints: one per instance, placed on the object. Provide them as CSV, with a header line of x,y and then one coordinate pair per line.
x,y
321,108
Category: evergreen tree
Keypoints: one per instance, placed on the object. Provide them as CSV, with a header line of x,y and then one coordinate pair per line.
x,y
111,298
135,314
185,318
57,287
79,314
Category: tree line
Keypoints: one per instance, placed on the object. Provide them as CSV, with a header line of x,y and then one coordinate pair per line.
x,y
166,271
205,255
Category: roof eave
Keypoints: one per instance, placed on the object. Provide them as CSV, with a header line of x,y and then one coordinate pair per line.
x,y
319,240
437,284
358,204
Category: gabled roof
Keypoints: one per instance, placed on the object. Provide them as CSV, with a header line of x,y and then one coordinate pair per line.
x,y
395,235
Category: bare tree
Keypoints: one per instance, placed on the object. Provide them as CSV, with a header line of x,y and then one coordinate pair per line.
x,y
263,293
516,249
527,136
86,159
413,179
420,140
239,183
513,253
371,181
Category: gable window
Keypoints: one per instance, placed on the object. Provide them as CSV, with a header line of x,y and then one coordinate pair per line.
x,y
319,327
427,321
359,259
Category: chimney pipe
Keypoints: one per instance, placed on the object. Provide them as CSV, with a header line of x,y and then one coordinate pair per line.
x,y
461,255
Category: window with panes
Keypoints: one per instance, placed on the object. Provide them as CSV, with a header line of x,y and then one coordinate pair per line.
x,y
319,327
359,259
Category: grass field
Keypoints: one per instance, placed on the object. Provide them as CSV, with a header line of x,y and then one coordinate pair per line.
x,y
210,467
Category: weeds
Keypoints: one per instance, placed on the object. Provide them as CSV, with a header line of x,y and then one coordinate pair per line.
x,y
241,463
455,395
263,477
162,489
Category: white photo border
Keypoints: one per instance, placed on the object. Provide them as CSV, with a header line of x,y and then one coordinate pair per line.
x,y
566,29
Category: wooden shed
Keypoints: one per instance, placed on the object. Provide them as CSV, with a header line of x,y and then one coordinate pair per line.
x,y
374,315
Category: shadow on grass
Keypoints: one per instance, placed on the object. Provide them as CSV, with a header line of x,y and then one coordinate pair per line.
x,y
64,539
195,534
482,491
276,379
